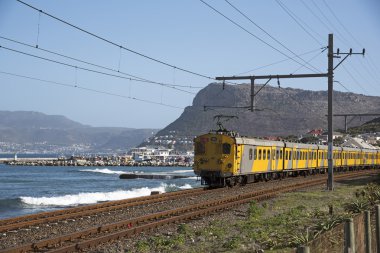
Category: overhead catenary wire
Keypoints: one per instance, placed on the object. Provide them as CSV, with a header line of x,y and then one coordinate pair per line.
x,y
89,89
278,62
271,36
253,35
96,65
311,59
93,71
296,19
115,44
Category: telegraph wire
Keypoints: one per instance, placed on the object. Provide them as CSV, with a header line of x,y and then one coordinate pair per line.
x,y
250,33
273,38
94,71
89,89
277,62
294,17
115,44
96,65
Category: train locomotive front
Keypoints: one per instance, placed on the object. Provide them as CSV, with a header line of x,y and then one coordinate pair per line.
x,y
216,161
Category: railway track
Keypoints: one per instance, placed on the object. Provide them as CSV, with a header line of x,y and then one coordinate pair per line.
x,y
76,212
91,237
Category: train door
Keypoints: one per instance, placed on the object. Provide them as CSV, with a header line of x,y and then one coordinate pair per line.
x,y
277,160
248,159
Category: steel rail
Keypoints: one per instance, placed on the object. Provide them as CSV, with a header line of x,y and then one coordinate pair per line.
x,y
130,227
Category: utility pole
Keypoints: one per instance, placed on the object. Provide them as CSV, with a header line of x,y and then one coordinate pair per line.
x,y
330,81
330,75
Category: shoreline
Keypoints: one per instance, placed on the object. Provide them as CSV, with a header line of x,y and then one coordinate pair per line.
x,y
87,163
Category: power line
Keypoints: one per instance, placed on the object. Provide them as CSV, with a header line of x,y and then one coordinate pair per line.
x,y
277,62
93,64
89,89
330,23
310,60
353,78
93,71
294,17
341,24
263,30
253,35
113,43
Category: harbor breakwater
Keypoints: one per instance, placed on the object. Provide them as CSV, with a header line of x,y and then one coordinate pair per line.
x,y
88,162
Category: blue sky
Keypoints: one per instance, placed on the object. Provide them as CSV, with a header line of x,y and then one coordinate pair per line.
x,y
186,34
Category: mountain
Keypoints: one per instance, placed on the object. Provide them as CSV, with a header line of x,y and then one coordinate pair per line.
x,y
55,133
279,111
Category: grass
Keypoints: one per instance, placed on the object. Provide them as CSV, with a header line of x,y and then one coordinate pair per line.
x,y
277,225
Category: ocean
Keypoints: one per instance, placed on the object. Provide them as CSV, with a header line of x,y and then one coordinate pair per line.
x,y
32,189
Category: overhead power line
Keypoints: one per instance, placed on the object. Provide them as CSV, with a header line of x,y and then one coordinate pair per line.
x,y
115,44
95,65
253,35
92,70
89,89
272,37
295,18
277,62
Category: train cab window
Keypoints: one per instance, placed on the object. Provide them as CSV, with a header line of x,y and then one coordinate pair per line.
x,y
250,154
255,154
200,148
226,148
268,155
264,154
259,154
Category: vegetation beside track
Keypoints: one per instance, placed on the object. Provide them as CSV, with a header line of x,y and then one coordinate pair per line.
x,y
277,225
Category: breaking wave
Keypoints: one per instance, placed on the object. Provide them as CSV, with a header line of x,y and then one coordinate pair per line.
x,y
104,171
94,197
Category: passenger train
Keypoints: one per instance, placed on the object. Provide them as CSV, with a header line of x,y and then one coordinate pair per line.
x,y
222,158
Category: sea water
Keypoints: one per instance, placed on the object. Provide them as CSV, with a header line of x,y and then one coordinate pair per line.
x,y
32,189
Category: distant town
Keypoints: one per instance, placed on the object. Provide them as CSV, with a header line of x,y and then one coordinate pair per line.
x,y
167,150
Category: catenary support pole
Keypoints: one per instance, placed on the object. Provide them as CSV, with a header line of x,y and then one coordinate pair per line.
x,y
330,77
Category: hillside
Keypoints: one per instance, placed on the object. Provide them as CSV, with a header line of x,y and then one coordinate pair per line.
x,y
280,111
371,126
31,130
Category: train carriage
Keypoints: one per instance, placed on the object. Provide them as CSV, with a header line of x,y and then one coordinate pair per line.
x,y
223,158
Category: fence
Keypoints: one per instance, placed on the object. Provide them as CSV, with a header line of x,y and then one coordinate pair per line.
x,y
360,234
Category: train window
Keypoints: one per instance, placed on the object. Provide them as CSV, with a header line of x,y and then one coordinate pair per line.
x,y
250,154
200,148
259,154
264,154
281,154
226,148
268,155
255,154
286,155
277,155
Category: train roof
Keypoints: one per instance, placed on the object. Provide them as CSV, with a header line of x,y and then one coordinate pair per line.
x,y
258,142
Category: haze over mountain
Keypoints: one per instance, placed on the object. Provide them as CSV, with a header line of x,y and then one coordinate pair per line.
x,y
58,132
279,111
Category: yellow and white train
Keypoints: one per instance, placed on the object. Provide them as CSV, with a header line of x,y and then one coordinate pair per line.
x,y
221,158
